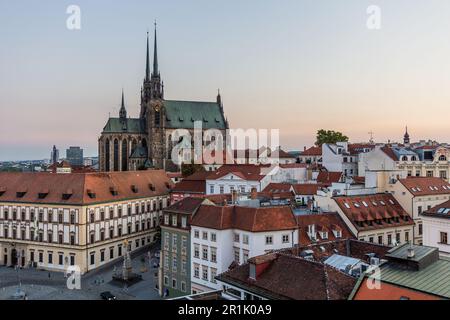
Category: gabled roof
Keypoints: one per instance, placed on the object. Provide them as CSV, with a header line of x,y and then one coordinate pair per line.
x,y
187,205
326,222
328,177
439,211
389,152
292,278
182,114
81,185
312,151
244,171
370,212
116,125
424,186
309,189
245,218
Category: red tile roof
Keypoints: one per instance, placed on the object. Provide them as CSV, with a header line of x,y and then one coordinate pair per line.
x,y
309,189
78,186
369,212
288,277
190,186
244,171
389,152
245,218
278,187
424,186
328,177
323,222
186,205
439,211
313,151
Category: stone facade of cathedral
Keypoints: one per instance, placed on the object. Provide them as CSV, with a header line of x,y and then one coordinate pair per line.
x,y
138,143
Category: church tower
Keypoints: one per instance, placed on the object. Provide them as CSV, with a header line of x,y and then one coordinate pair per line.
x,y
406,139
152,108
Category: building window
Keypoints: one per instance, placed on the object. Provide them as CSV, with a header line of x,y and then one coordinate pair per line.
x,y
166,240
166,280
205,253
430,174
406,236
245,256
166,262
196,251
102,256
213,275
174,283
72,218
213,237
196,234
60,259
72,259
389,239
213,254
221,189
205,273
285,238
444,238
211,189
92,258
50,258
111,253
397,237
174,220
174,243
237,256
60,218
269,240
183,286
60,238
41,257
205,235
420,229
183,222
183,265
245,239
419,209
236,237
174,263
119,250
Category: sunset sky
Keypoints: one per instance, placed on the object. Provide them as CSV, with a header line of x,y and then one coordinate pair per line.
x,y
297,66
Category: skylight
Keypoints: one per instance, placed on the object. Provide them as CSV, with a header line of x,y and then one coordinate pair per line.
x,y
365,204
346,205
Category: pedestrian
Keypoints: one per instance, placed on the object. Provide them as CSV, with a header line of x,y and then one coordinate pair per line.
x,y
49,275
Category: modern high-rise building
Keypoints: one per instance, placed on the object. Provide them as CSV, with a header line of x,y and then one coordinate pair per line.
x,y
74,156
54,155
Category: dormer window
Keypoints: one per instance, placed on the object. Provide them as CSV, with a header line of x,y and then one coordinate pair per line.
x,y
21,193
151,187
43,194
66,195
114,191
91,194
2,191
134,188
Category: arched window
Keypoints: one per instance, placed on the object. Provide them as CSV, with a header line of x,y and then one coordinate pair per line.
x,y
124,155
107,155
404,158
116,155
133,146
442,158
413,158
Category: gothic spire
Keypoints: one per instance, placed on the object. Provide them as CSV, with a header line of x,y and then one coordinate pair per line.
x,y
123,111
147,69
155,57
406,139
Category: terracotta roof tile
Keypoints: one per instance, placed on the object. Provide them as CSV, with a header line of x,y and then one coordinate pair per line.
x,y
423,186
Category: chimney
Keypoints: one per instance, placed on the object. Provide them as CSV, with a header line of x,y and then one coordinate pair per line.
x,y
411,254
304,148
258,265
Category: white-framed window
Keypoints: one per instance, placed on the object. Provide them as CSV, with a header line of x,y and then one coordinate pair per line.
x,y
222,189
174,220
205,235
166,219
205,273
237,255
174,283
205,253
213,254
196,234
196,271
245,256
174,242
166,280
269,240
196,251
211,189
166,262
285,238
245,239
213,237
236,237
174,263
213,275
166,240
183,222
183,286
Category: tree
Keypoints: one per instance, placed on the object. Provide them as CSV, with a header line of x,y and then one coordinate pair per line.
x,y
190,169
329,136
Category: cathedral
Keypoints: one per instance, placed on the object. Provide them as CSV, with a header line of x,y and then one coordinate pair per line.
x,y
140,143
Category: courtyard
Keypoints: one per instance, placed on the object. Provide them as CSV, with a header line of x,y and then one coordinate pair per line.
x,y
44,285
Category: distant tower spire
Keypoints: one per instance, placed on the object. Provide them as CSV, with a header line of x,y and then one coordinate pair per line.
x,y
219,98
147,69
123,111
155,56
406,139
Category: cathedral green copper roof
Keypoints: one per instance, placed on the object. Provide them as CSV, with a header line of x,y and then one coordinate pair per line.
x,y
182,114
115,125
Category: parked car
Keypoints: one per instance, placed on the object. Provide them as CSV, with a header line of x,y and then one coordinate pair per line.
x,y
107,296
